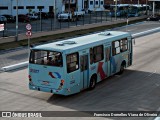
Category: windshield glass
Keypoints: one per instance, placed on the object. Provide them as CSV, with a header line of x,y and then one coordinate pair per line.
x,y
50,58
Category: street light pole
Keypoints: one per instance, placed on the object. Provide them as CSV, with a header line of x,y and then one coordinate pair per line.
x,y
17,20
115,9
54,14
146,8
69,6
11,7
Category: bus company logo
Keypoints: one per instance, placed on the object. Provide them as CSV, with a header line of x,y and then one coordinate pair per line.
x,y
34,70
6,114
54,75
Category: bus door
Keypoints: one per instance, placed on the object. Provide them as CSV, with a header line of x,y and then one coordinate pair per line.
x,y
84,71
108,60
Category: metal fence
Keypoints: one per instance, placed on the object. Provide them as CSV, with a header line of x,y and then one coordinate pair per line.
x,y
52,24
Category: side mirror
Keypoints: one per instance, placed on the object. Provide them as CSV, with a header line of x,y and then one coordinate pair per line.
x,y
133,40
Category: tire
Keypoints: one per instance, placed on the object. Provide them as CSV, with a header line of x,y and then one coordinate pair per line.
x,y
121,69
92,84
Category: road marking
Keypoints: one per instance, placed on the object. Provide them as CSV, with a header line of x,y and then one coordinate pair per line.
x,y
132,29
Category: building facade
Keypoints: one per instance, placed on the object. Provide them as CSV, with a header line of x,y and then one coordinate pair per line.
x,y
126,1
78,5
25,6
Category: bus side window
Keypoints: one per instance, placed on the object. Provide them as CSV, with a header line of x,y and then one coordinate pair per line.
x,y
98,53
115,47
124,45
91,56
108,55
72,62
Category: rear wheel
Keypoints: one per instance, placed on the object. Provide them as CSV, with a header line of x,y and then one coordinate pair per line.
x,y
92,83
122,69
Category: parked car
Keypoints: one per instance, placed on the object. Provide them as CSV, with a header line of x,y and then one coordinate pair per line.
x,y
154,18
10,18
44,15
70,16
32,16
3,19
79,13
64,17
23,18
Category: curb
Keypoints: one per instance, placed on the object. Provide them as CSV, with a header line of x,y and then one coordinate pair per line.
x,y
136,35
15,66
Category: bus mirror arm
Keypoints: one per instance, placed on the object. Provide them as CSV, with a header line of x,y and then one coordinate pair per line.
x,y
133,40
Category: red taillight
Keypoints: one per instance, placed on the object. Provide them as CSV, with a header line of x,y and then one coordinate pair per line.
x,y
61,84
29,76
30,79
62,81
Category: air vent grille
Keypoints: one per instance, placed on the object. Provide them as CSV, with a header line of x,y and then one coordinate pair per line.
x,y
66,43
105,33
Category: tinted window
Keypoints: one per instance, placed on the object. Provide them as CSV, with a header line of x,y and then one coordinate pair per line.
x,y
119,46
50,58
72,62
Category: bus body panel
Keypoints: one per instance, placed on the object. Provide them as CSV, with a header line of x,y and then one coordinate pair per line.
x,y
47,77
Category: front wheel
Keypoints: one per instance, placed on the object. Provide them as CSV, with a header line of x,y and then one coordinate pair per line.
x,y
92,84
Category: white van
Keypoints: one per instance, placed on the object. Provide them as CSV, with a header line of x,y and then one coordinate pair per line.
x,y
32,16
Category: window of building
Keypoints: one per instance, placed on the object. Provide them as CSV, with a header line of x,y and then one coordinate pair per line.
x,y
40,7
101,2
19,7
30,7
91,2
72,62
3,8
96,2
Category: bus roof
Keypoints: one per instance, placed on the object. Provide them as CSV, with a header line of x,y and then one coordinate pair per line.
x,y
83,42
